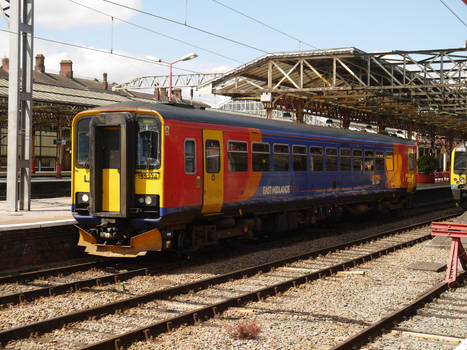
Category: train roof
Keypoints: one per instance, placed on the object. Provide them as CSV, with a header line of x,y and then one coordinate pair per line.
x,y
188,113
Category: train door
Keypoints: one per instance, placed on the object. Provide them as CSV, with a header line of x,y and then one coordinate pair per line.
x,y
213,191
109,144
411,170
109,164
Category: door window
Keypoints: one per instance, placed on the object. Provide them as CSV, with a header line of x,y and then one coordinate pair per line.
x,y
213,156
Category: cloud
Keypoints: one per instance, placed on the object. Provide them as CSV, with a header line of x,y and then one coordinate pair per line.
x,y
64,14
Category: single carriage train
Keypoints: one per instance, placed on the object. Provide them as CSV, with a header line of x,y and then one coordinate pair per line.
x,y
153,177
459,174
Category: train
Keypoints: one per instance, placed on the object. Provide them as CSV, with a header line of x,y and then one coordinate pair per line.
x,y
164,177
458,174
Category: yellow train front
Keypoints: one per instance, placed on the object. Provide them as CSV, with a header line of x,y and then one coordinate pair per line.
x,y
153,177
459,174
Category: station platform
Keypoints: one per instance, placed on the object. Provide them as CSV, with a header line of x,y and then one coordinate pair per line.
x,y
45,212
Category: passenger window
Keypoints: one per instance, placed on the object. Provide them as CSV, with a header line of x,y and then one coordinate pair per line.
x,y
389,161
331,159
260,156
357,160
316,161
345,159
369,161
237,155
299,158
379,161
281,158
213,156
190,156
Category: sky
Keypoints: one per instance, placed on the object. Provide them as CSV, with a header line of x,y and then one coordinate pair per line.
x,y
370,25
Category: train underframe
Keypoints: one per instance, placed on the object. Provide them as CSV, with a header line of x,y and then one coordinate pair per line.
x,y
191,232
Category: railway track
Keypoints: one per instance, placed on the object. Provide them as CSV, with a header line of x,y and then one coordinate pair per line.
x,y
424,329
31,285
310,267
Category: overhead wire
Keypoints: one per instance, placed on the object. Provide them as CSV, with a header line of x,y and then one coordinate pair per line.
x,y
460,19
156,32
188,26
145,60
264,24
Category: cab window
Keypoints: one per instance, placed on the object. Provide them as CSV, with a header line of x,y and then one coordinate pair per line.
x,y
148,147
460,162
82,156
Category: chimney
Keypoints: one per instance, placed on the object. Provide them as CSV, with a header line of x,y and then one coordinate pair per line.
x,y
105,85
163,96
39,63
157,94
178,94
6,63
66,68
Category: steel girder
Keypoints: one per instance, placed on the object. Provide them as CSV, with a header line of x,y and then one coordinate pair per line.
x,y
423,90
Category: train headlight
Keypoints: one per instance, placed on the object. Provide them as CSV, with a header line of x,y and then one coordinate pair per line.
x,y
82,199
462,180
148,200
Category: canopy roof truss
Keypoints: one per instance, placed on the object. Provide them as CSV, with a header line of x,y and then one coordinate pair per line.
x,y
163,81
423,90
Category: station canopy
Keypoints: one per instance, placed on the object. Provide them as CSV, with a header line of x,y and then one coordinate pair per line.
x,y
423,91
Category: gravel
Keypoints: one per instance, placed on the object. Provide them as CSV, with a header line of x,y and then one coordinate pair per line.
x,y
315,315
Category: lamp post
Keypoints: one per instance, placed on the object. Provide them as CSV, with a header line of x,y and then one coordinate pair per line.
x,y
184,58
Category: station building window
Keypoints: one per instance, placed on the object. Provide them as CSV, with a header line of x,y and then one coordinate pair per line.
x,y
237,155
379,161
3,147
260,156
331,159
213,156
281,157
45,150
190,156
299,158
345,159
316,158
357,160
369,160
389,161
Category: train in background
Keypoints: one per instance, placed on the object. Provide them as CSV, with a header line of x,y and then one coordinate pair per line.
x,y
459,174
154,177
